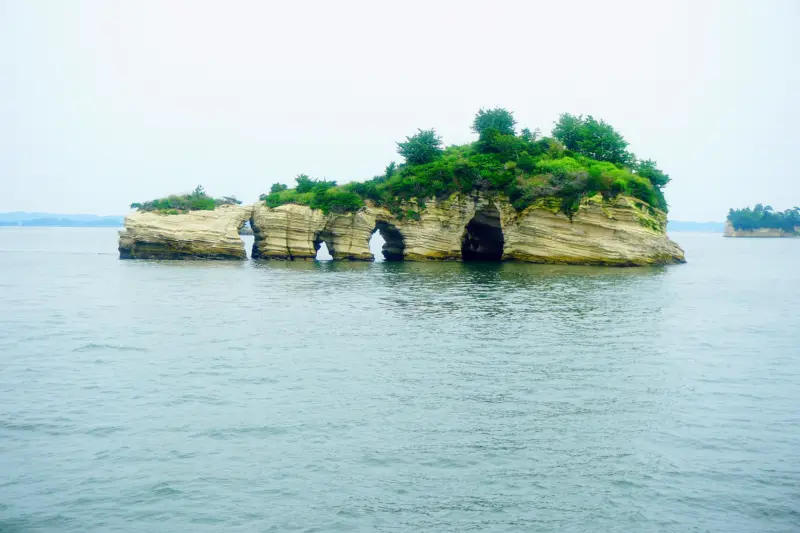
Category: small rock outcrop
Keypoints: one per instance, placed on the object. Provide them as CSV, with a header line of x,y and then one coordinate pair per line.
x,y
193,235
623,231
730,231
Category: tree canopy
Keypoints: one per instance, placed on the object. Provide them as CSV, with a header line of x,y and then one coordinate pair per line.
x,y
422,147
592,138
648,169
499,121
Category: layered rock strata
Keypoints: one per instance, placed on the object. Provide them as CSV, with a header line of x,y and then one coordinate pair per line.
x,y
194,235
730,231
622,231
296,232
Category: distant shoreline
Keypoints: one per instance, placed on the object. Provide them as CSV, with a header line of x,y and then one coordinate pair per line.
x,y
53,220
700,227
47,223
43,219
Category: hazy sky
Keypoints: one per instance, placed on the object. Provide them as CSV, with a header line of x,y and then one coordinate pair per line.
x,y
103,103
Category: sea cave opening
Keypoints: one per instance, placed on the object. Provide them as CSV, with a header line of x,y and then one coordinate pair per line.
x,y
248,238
483,237
387,240
324,248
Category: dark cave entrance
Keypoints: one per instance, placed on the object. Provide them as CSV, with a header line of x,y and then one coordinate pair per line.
x,y
483,237
393,244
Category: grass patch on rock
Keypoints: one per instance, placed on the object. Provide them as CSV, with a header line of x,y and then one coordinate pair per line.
x,y
175,204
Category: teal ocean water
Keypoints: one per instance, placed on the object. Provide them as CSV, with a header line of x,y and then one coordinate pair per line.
x,y
398,397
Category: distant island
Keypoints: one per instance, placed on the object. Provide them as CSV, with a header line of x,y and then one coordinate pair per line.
x,y
37,219
763,221
577,197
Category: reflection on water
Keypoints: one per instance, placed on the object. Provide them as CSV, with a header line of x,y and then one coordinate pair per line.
x,y
473,269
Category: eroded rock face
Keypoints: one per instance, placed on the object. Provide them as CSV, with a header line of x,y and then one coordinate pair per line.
x,y
286,232
730,231
622,231
296,232
194,235
437,235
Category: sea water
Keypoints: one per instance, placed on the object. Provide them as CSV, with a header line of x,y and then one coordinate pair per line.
x,y
150,396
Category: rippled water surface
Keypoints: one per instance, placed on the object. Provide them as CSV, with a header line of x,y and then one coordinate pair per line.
x,y
179,396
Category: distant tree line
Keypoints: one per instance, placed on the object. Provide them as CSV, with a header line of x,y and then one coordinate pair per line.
x,y
764,217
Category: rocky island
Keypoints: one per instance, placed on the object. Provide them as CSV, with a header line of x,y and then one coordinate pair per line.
x,y
191,226
578,197
762,222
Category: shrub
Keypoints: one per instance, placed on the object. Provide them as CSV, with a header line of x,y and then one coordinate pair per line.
x,y
526,163
648,169
619,186
603,176
336,200
391,168
530,136
642,189
306,184
524,191
366,189
559,167
287,196
229,200
319,194
508,146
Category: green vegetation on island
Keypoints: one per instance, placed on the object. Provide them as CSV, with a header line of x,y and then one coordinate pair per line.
x,y
584,157
764,217
318,194
197,200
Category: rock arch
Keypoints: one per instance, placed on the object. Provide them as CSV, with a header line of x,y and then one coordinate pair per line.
x,y
326,238
394,244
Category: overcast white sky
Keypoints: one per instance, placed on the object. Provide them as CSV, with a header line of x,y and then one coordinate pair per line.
x,y
104,102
